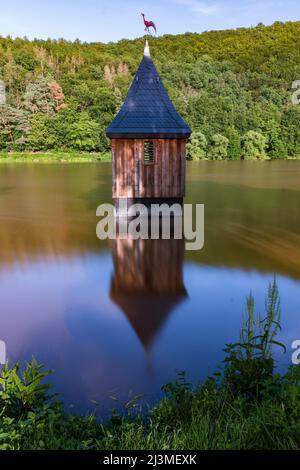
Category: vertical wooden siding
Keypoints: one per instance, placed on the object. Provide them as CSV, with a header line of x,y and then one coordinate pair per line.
x,y
133,178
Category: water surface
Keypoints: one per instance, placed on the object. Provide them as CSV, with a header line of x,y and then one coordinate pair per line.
x,y
121,318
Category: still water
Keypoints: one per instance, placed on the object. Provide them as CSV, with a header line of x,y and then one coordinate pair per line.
x,y
118,319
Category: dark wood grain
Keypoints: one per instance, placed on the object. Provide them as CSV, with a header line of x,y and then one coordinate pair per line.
x,y
134,178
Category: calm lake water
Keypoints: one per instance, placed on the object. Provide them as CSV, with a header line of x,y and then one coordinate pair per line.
x,y
117,319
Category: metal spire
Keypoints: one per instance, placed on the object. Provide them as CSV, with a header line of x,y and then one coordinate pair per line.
x,y
147,49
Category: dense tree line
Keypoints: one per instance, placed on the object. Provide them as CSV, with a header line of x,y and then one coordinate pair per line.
x,y
233,87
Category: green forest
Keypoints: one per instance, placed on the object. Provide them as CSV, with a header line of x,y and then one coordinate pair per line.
x,y
233,87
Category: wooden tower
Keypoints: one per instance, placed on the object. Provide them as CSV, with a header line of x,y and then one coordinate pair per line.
x,y
148,142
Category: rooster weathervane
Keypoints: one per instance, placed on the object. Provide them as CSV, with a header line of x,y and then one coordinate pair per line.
x,y
148,25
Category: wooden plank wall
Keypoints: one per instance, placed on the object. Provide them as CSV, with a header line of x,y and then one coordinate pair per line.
x,y
134,178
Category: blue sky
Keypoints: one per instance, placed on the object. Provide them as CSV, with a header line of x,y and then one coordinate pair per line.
x,y
111,20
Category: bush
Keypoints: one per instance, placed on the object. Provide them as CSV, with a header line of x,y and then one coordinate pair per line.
x,y
249,363
234,144
84,134
197,146
253,146
42,135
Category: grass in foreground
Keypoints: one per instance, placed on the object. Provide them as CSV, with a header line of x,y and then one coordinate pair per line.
x,y
54,157
245,406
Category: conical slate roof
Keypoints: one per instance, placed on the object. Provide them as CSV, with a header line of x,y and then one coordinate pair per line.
x,y
148,111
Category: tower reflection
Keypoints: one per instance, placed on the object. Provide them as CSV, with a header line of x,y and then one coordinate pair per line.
x,y
148,283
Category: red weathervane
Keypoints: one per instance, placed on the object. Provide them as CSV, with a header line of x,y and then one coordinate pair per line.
x,y
148,24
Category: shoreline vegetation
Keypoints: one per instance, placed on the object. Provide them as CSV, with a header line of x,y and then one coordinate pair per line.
x,y
246,405
54,157
84,157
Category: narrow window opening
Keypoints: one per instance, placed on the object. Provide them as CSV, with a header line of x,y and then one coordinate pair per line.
x,y
148,151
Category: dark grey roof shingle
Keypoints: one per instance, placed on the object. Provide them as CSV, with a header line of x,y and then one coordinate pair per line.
x,y
148,111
